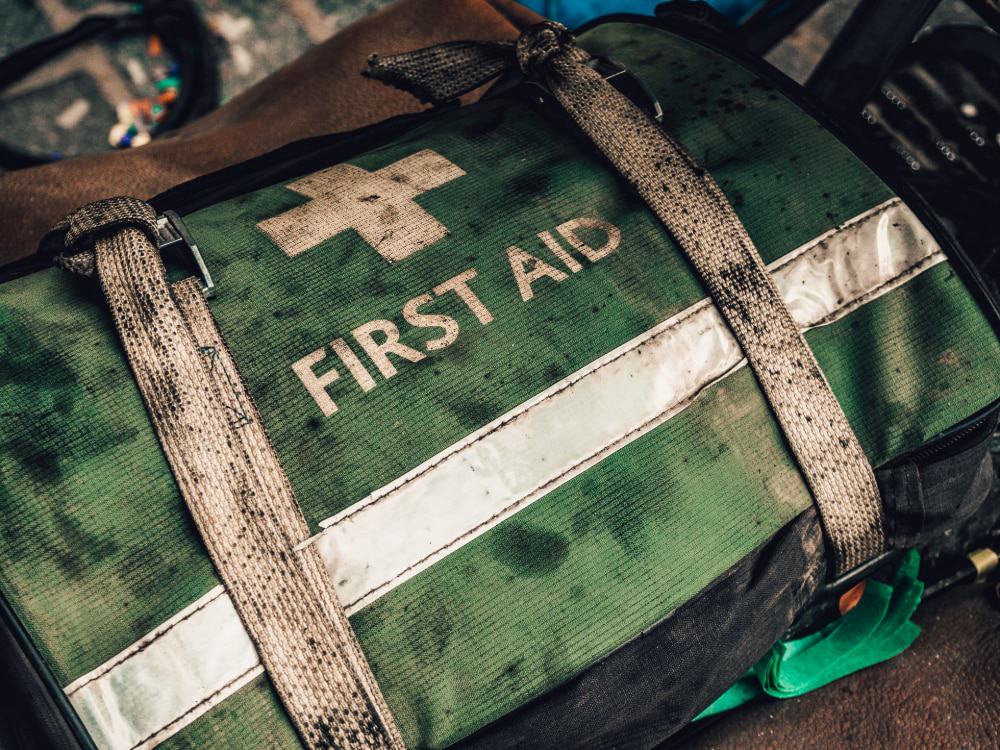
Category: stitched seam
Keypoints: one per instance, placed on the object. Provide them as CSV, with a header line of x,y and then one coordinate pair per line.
x,y
680,405
824,238
911,270
196,706
574,379
609,448
150,639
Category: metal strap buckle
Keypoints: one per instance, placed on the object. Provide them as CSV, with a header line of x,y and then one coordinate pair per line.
x,y
619,76
629,84
177,244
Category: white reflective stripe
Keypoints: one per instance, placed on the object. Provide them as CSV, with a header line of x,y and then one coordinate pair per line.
x,y
168,679
472,486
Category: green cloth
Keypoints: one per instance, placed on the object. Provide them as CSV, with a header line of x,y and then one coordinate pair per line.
x,y
876,630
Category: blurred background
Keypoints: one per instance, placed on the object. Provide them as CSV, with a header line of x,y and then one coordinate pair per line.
x,y
86,100
70,105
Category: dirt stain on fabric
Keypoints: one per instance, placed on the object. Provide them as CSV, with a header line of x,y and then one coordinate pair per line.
x,y
529,551
77,548
531,185
474,413
41,395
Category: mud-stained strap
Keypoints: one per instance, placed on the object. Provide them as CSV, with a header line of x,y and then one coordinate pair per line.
x,y
233,485
696,212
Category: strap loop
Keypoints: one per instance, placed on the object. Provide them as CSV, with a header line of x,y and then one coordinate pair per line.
x,y
535,48
233,484
696,212
107,217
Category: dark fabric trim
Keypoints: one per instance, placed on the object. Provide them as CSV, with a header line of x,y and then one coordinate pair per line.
x,y
34,712
644,692
655,684
924,495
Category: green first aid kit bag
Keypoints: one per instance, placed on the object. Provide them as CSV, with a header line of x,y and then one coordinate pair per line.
x,y
526,451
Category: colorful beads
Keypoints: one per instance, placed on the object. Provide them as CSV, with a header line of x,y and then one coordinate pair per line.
x,y
139,118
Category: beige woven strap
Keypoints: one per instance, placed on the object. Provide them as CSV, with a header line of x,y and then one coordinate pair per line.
x,y
696,212
231,480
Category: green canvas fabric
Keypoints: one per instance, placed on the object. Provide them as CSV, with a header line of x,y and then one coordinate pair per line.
x,y
96,545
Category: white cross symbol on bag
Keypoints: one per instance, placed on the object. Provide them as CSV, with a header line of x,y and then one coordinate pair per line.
x,y
378,205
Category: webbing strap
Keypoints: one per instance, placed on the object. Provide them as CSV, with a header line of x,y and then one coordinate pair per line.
x,y
696,212
235,488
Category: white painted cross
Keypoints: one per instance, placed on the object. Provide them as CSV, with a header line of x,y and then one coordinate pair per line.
x,y
378,205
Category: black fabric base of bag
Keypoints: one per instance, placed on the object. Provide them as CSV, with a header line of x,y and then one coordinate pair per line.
x,y
654,685
34,712
646,691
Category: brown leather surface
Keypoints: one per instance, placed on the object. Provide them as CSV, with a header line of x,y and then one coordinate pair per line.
x,y
320,92
944,692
